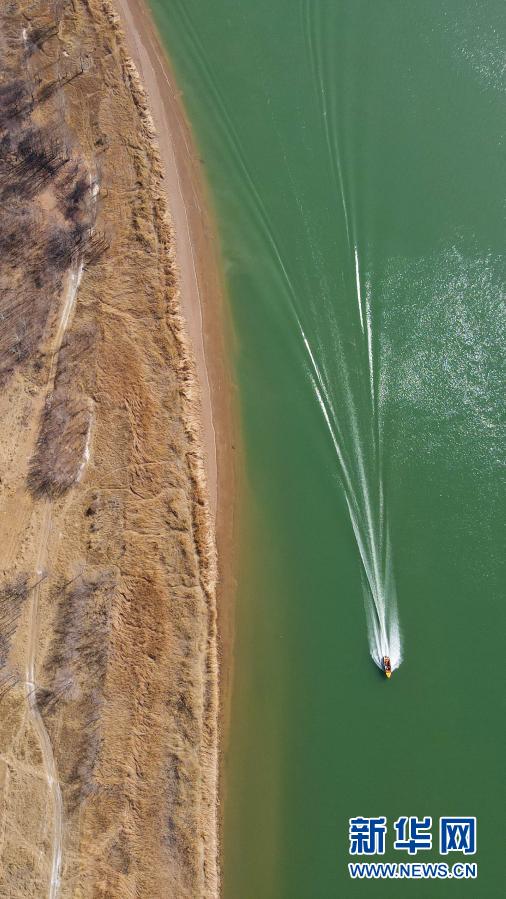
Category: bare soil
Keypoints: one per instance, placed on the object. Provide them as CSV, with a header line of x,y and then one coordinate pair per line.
x,y
108,656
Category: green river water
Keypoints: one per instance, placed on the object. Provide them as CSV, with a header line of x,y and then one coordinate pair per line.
x,y
355,155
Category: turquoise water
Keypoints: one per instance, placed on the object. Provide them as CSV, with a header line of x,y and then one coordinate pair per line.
x,y
355,154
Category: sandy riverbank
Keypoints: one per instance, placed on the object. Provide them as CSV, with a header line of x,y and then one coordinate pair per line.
x,y
203,305
196,251
108,574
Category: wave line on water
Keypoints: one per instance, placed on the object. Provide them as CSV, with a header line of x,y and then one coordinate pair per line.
x,y
372,537
354,436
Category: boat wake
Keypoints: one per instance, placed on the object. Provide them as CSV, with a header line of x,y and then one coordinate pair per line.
x,y
384,632
348,382
335,322
360,464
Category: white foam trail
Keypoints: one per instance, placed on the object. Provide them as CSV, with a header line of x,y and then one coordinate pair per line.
x,y
359,292
355,439
324,401
371,532
383,641
369,339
